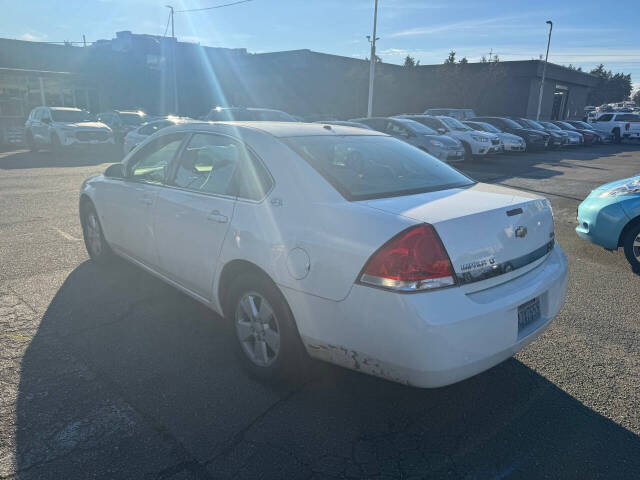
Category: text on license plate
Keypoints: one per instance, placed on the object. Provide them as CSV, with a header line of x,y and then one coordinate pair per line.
x,y
528,313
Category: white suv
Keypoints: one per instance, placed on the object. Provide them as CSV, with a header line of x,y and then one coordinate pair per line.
x,y
475,143
60,127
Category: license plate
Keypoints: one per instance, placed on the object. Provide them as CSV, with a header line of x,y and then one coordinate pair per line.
x,y
528,313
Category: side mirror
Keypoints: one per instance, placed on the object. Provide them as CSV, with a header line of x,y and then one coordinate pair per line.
x,y
114,171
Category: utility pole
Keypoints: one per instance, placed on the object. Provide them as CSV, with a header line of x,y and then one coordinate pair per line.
x,y
174,42
544,71
84,40
372,61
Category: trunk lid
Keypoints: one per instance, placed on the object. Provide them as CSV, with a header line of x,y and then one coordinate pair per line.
x,y
487,230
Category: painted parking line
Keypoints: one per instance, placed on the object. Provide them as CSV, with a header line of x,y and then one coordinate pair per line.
x,y
65,235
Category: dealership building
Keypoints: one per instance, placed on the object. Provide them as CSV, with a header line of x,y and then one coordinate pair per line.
x,y
161,75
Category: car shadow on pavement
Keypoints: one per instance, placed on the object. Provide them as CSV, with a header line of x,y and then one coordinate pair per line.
x,y
21,159
128,378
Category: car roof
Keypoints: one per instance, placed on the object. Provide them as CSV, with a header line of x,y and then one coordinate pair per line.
x,y
280,129
69,109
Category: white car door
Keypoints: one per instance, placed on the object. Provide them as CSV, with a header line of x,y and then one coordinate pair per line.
x,y
194,212
129,203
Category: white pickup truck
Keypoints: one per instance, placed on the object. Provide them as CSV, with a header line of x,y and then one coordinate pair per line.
x,y
620,125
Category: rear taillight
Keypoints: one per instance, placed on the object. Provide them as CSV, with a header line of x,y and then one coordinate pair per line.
x,y
413,260
627,126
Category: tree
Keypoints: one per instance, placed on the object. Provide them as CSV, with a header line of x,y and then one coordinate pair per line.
x,y
610,87
636,97
409,62
577,69
451,58
463,60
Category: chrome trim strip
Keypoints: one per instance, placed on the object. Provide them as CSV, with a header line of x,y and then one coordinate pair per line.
x,y
504,267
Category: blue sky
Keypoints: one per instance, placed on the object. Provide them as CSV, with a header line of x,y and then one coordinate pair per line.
x,y
585,32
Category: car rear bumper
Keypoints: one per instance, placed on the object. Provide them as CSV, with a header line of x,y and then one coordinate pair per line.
x,y
430,339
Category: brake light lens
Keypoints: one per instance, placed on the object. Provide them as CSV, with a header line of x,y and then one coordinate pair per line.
x,y
414,260
627,126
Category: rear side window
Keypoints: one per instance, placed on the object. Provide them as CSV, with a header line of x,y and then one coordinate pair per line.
x,y
363,167
604,118
627,118
221,165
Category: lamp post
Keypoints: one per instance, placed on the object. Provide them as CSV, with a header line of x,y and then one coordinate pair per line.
x,y
372,60
544,70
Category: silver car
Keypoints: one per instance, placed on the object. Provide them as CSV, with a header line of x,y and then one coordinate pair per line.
x,y
510,142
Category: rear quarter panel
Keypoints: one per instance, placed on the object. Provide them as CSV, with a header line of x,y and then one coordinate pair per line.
x,y
303,212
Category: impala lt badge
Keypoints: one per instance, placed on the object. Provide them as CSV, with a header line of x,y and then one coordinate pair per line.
x,y
521,232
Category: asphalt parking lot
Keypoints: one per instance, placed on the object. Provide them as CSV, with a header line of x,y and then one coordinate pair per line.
x,y
109,373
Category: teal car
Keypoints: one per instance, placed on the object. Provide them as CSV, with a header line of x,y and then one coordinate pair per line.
x,y
610,217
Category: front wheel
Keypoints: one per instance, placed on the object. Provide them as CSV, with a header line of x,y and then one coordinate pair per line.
x,y
468,154
266,337
94,240
31,142
55,144
632,247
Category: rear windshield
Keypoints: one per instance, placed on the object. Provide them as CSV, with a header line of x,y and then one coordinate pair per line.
x,y
132,118
363,167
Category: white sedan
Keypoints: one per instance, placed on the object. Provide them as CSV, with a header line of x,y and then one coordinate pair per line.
x,y
341,243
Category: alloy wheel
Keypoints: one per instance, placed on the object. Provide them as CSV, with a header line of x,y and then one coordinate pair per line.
x,y
94,234
636,247
257,329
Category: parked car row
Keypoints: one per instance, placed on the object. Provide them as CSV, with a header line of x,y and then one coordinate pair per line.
x,y
448,134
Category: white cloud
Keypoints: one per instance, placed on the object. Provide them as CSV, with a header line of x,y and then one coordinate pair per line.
x,y
33,36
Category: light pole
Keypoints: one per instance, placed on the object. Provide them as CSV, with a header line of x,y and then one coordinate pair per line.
x,y
173,63
544,70
372,60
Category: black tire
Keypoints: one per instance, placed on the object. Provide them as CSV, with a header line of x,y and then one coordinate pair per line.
x,y
633,257
468,155
31,143
56,147
291,358
100,252
616,135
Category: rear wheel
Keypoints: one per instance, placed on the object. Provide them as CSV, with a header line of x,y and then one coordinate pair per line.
x,y
266,337
616,135
632,247
94,240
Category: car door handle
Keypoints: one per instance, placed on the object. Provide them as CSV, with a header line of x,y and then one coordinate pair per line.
x,y
216,216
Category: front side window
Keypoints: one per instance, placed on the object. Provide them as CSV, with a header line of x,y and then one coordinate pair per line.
x,y
604,118
362,167
151,163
